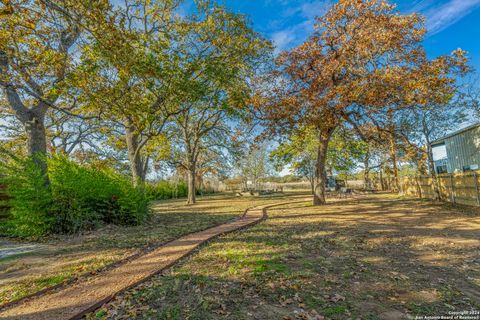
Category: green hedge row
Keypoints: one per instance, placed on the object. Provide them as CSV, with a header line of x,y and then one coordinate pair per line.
x,y
164,190
79,198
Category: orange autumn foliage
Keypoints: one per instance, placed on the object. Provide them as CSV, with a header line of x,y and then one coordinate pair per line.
x,y
363,57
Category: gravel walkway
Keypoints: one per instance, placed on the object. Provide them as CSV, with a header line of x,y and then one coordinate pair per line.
x,y
74,301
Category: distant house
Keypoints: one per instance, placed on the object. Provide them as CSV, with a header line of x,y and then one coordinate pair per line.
x,y
462,150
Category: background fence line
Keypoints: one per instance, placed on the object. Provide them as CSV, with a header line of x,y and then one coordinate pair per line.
x,y
461,188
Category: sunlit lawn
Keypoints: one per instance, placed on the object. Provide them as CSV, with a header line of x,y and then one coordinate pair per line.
x,y
60,258
379,257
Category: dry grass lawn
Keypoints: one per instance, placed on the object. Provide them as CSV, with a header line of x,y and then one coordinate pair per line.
x,y
58,259
373,257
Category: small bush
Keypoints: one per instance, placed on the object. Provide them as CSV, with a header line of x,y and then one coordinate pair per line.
x,y
79,198
164,190
29,200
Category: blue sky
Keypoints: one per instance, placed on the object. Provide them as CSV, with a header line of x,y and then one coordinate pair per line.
x,y
452,24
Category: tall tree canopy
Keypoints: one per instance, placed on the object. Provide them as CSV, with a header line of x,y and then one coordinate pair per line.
x,y
128,73
363,58
218,53
37,42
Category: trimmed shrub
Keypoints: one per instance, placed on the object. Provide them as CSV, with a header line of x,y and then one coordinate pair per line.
x,y
29,200
79,198
164,190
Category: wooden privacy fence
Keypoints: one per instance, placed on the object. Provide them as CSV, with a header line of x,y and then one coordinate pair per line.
x,y
462,188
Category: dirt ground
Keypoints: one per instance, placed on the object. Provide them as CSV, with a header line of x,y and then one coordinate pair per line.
x,y
373,257
35,266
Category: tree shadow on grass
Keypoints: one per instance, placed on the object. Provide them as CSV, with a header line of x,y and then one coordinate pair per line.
x,y
406,246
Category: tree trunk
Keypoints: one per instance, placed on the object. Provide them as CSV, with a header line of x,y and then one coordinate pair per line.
x,y
433,173
320,170
393,154
136,165
312,184
37,144
366,172
431,162
191,185
382,182
146,163
199,183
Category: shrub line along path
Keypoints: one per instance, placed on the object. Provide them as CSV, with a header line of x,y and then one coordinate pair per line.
x,y
74,301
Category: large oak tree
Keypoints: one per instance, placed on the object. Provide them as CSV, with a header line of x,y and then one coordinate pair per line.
x,y
363,58
129,76
218,53
37,42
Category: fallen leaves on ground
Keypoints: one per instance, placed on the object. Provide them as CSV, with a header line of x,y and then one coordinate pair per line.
x,y
355,259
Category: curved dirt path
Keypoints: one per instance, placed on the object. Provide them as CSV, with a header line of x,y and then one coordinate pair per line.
x,y
85,296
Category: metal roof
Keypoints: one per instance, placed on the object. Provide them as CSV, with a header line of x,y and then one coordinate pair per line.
x,y
442,140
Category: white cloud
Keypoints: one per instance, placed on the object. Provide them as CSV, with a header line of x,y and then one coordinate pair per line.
x,y
283,38
292,35
420,5
298,32
439,16
311,10
443,16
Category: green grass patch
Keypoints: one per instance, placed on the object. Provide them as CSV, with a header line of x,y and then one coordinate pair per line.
x,y
335,310
264,266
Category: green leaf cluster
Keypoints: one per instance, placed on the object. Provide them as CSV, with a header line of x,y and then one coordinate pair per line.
x,y
78,198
